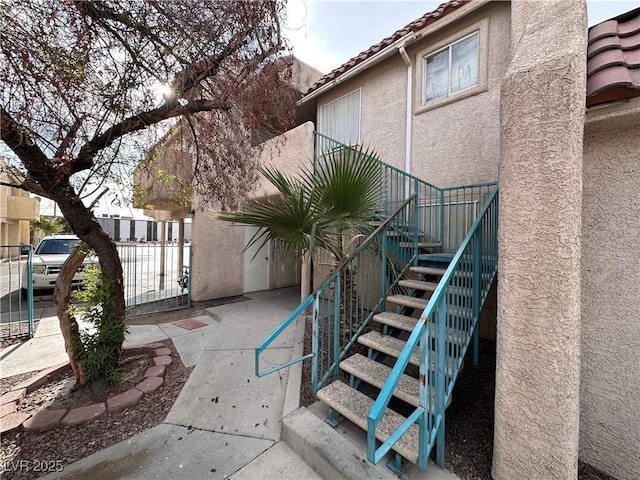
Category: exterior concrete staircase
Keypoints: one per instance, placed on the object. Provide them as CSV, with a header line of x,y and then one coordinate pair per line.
x,y
384,346
393,322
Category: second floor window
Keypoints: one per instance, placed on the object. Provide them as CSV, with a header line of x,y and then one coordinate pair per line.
x,y
340,119
452,69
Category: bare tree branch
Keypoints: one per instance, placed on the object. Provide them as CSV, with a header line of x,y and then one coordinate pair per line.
x,y
139,122
19,139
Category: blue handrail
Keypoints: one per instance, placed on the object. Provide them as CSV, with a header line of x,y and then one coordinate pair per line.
x,y
431,426
276,333
331,280
463,219
336,331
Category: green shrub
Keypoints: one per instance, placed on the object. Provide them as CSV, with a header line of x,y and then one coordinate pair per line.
x,y
99,351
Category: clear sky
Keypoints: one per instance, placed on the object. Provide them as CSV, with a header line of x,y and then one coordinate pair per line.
x,y
327,33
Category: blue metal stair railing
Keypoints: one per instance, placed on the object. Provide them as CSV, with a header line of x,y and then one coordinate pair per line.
x,y
454,307
348,299
461,216
397,187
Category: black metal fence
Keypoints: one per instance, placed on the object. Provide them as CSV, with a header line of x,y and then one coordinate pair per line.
x,y
16,308
156,276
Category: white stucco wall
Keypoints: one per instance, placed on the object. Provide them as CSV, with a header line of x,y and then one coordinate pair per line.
x,y
610,368
217,246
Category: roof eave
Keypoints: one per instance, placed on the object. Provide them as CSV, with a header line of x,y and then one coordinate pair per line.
x,y
365,65
391,49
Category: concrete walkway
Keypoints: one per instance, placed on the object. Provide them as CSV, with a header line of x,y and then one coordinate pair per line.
x,y
226,422
44,350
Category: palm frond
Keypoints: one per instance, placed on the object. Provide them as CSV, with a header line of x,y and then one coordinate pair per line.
x,y
348,181
320,207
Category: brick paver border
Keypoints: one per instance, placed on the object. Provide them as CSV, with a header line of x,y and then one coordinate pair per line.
x,y
52,418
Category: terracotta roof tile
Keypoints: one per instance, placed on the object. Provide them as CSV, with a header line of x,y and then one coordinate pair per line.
x,y
604,29
416,25
629,27
613,65
630,42
602,45
606,59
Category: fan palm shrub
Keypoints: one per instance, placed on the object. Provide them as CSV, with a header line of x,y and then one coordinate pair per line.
x,y
320,208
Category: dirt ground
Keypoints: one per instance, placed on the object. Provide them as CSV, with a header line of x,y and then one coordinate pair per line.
x,y
67,444
469,417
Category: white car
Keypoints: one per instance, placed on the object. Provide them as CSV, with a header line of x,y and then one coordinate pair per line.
x,y
47,261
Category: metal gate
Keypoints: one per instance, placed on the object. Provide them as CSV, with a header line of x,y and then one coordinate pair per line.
x,y
16,291
156,276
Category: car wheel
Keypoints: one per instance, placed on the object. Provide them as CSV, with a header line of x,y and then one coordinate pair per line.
x,y
24,292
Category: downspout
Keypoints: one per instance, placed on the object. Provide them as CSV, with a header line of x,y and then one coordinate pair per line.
x,y
408,119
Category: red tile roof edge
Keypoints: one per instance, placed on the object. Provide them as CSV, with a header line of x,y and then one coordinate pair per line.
x,y
613,59
427,19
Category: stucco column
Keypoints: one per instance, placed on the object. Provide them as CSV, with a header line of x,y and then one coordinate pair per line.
x,y
538,341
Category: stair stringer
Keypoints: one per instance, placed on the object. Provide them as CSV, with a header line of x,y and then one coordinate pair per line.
x,y
456,302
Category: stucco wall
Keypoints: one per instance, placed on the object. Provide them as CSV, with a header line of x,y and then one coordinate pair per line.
x,y
610,369
22,207
217,257
287,152
538,341
453,144
17,209
165,192
382,96
458,143
217,246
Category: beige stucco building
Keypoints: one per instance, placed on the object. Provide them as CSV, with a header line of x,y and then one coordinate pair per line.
x,y
220,266
562,136
567,155
17,209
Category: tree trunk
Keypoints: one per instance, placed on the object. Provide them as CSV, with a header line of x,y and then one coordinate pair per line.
x,y
305,280
68,324
85,225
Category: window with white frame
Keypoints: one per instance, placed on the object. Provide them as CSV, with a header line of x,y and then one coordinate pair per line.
x,y
451,69
340,119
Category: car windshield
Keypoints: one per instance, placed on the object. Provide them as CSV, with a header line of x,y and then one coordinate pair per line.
x,y
57,246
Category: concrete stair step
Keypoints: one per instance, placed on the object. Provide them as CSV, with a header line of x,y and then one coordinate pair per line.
x,y
388,345
323,448
421,244
355,406
414,302
441,271
402,322
407,301
376,374
428,270
393,346
418,285
396,320
394,233
378,222
436,257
